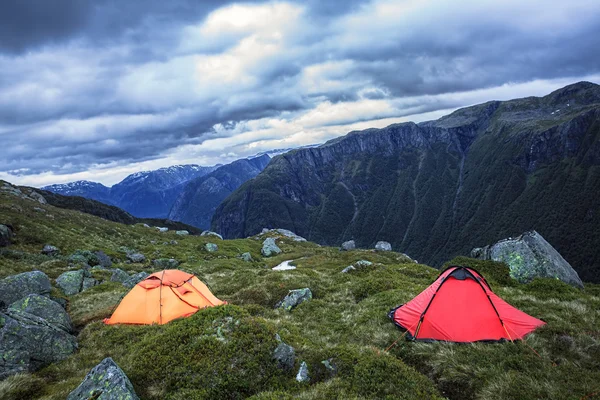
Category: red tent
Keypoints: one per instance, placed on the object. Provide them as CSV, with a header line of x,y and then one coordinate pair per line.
x,y
460,307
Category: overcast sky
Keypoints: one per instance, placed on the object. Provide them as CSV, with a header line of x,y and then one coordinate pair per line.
x,y
98,89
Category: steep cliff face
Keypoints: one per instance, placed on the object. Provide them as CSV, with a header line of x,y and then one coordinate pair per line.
x,y
439,188
198,201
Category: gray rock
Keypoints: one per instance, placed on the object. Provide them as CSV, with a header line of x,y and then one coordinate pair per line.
x,y
103,259
286,233
383,246
38,197
165,263
50,250
363,264
269,248
302,375
146,226
45,308
106,381
38,209
284,355
174,242
211,247
247,257
162,229
410,259
349,268
210,233
6,235
349,245
135,279
330,366
529,256
182,233
294,298
28,343
71,282
84,257
88,283
119,275
136,257
15,287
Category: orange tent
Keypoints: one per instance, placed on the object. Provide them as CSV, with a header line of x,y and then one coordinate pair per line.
x,y
163,297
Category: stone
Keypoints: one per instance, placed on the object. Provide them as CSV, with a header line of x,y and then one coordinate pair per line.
x,y
38,197
211,247
43,307
284,355
103,259
349,245
294,298
162,229
6,235
88,283
165,263
15,287
106,381
530,256
349,268
174,242
182,233
270,248
146,226
383,246
136,257
71,282
246,257
119,275
135,279
302,375
28,343
38,209
210,233
50,250
84,257
363,264
284,232
330,366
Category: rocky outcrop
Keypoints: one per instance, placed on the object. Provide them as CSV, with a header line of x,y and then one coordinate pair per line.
x,y
6,235
43,307
182,232
211,247
348,245
71,282
383,246
294,298
270,248
119,275
136,257
211,233
247,257
15,287
103,259
165,263
106,381
29,342
529,256
135,279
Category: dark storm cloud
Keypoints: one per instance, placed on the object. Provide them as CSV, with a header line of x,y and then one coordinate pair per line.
x,y
87,82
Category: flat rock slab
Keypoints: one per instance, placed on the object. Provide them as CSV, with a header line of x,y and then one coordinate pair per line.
x,y
106,381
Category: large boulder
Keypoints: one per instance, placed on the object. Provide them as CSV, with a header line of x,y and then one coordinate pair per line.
x,y
348,245
529,256
270,248
103,259
106,381
119,275
6,235
284,355
71,282
213,234
211,247
246,257
45,308
28,343
383,246
15,287
182,233
294,298
135,279
165,263
284,232
50,250
135,257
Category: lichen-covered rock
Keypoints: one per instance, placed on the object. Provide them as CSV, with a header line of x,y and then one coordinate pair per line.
x,y
213,234
211,247
15,287
529,256
135,279
348,245
106,381
119,275
84,257
6,235
43,307
284,355
284,232
165,263
103,259
246,257
38,197
270,248
182,233
136,257
28,343
302,375
50,250
89,283
71,282
294,298
383,246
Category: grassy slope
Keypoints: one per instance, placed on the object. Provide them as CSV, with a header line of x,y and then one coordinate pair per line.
x,y
225,352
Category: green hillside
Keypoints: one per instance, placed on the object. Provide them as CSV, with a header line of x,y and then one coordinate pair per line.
x,y
437,189
227,351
